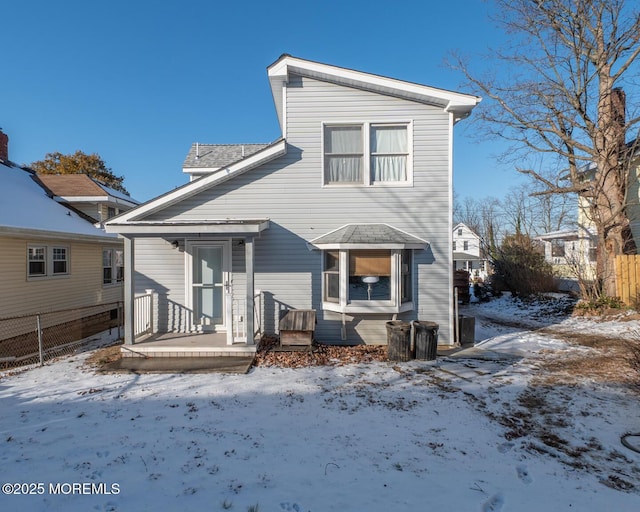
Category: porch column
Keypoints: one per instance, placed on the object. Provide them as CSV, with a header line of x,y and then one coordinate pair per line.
x,y
129,271
249,260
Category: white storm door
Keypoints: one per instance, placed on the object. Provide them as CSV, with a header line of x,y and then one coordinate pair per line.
x,y
210,286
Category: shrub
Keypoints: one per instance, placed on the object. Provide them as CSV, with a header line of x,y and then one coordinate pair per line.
x,y
520,268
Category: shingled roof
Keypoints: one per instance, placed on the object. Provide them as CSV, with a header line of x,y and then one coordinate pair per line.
x,y
354,235
216,156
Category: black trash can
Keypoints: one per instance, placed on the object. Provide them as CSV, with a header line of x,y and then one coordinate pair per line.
x,y
426,336
398,340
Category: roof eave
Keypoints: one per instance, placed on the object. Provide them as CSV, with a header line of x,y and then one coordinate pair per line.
x,y
191,188
459,104
56,235
221,227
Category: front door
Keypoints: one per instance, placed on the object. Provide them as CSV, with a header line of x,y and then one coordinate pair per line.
x,y
210,287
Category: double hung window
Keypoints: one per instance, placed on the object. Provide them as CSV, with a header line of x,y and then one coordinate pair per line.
x,y
367,154
112,266
47,261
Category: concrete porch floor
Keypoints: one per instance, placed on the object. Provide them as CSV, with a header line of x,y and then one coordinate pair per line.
x,y
187,345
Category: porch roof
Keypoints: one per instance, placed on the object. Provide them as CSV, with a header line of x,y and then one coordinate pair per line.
x,y
465,256
368,236
209,226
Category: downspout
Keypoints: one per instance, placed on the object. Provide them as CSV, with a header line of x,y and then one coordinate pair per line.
x,y
452,304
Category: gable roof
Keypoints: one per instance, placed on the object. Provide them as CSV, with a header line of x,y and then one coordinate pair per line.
x,y
80,187
203,158
359,236
25,208
462,225
267,154
460,105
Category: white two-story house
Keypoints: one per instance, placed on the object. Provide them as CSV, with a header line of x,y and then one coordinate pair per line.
x,y
469,253
347,213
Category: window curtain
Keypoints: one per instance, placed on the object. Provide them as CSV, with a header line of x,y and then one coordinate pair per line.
x,y
343,154
386,143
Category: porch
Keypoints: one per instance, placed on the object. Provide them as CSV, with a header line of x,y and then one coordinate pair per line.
x,y
187,345
235,342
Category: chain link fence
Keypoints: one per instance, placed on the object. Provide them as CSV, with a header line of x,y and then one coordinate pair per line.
x,y
36,338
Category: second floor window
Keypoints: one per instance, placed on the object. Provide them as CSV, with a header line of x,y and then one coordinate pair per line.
x,y
367,154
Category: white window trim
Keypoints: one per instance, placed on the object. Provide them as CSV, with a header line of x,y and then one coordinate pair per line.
x,y
48,262
114,267
394,305
366,170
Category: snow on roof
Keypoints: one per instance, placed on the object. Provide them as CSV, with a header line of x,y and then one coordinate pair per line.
x,y
24,205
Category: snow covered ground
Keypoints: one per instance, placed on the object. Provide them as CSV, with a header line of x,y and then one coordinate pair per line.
x,y
485,433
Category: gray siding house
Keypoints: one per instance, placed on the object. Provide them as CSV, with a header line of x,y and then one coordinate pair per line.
x,y
348,214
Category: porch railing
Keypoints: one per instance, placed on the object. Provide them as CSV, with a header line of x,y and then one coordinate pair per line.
x,y
239,309
143,307
143,315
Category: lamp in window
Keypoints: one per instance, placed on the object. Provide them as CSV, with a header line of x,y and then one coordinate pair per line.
x,y
370,281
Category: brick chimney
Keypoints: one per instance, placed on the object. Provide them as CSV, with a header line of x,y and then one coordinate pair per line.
x,y
4,146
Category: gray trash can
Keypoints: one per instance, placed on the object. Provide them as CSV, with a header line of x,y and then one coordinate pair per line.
x,y
426,337
398,340
466,330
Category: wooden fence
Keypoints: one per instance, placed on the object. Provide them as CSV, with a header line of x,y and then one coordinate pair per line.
x,y
628,279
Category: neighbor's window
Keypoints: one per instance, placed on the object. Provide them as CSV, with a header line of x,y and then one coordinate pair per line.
x,y
119,263
465,245
37,261
366,153
112,266
557,248
45,261
454,245
107,266
60,260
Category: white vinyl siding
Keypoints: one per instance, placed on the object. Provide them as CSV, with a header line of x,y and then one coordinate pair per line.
x,y
290,192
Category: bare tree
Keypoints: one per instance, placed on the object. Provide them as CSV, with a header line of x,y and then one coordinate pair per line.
x,y
467,211
556,92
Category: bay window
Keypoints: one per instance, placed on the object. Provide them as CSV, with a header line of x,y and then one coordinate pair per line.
x,y
367,153
368,280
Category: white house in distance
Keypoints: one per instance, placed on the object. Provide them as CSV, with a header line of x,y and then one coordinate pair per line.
x,y
330,217
468,253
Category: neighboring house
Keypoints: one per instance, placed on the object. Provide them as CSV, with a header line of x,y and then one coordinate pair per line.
x,y
571,253
53,258
348,214
468,253
87,195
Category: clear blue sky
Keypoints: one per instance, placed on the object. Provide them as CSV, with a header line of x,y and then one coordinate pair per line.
x,y
138,82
